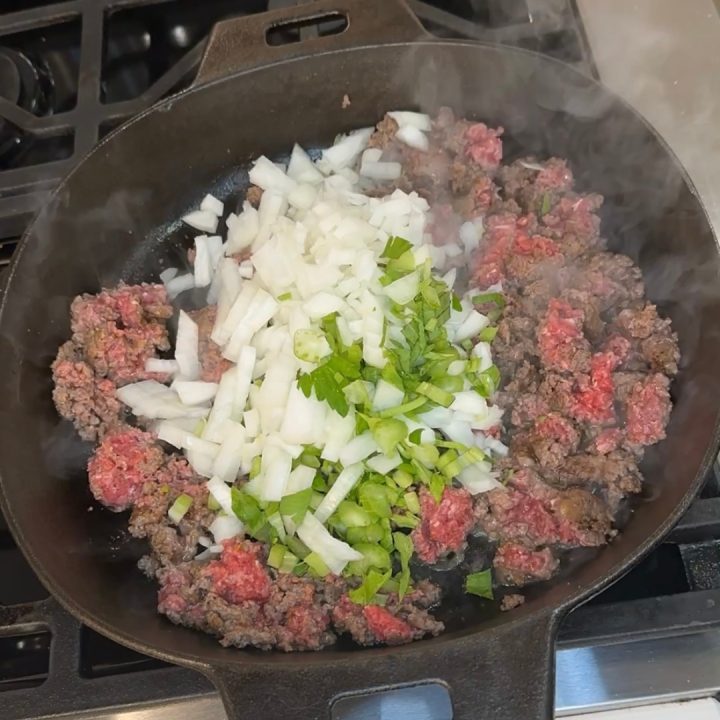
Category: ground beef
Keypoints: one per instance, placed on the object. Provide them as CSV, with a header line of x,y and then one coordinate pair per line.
x,y
534,514
593,400
511,601
561,343
483,145
444,526
652,338
170,543
116,331
80,396
124,461
648,410
253,195
239,574
552,438
399,621
213,363
384,133
518,565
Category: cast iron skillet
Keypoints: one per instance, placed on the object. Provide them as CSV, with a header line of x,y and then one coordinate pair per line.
x,y
112,219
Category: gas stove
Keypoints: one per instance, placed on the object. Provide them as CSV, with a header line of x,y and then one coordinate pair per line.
x,y
72,70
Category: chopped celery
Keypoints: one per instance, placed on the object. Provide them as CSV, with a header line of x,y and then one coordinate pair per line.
x,y
374,498
388,433
412,502
296,505
480,583
276,556
316,565
366,593
179,508
436,394
352,515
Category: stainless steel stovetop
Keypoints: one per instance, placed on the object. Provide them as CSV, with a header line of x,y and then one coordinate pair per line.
x,y
70,70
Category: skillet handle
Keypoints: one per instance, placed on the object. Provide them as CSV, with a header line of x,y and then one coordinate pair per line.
x,y
241,43
502,673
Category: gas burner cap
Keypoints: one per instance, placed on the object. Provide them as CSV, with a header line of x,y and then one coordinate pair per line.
x,y
25,84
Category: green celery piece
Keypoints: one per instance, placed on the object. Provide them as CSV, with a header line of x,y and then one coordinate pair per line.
x,y
405,263
370,534
297,547
405,521
289,563
488,334
388,433
357,393
437,486
480,583
246,508
411,406
352,515
276,556
374,556
436,394
316,565
296,505
374,498
412,501
403,478
403,545
395,247
489,297
366,593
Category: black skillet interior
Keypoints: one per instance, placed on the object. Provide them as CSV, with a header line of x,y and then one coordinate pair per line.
x,y
116,218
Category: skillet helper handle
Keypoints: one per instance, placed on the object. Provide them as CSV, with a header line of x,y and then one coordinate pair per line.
x,y
502,673
242,43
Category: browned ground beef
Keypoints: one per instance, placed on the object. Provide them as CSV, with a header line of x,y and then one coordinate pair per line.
x,y
213,363
113,334
586,363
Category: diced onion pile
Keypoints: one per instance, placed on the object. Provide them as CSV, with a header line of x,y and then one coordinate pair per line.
x,y
358,376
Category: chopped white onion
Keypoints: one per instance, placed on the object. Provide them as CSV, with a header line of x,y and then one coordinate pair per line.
x,y
267,175
405,118
168,274
202,220
213,205
225,527
334,553
221,492
413,137
158,365
195,392
186,347
179,284
341,488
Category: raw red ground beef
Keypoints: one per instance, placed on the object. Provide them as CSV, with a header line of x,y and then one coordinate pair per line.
x,y
443,526
122,464
239,574
648,410
484,145
561,343
118,330
516,564
386,627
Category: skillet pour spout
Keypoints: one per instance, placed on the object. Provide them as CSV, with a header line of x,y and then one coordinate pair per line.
x,y
113,218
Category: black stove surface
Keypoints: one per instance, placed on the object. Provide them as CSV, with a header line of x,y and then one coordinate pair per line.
x,y
72,70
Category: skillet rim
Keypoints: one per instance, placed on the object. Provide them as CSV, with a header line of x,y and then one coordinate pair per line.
x,y
550,614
